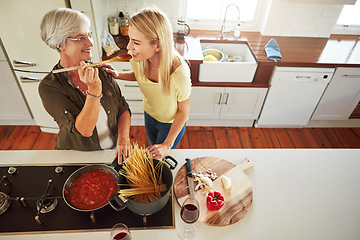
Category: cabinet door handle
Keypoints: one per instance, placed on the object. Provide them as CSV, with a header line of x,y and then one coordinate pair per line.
x,y
303,77
23,63
352,75
226,98
128,85
26,79
219,98
134,100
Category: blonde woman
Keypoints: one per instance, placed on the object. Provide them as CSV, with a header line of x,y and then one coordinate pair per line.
x,y
86,103
163,77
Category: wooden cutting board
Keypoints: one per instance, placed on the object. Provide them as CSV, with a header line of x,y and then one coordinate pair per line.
x,y
237,202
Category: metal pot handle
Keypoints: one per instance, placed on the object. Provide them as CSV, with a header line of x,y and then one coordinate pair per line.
x,y
117,202
173,163
115,164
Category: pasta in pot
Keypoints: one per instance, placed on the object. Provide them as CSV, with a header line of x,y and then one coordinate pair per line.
x,y
144,178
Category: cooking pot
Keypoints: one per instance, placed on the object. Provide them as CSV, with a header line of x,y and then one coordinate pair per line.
x,y
75,176
119,202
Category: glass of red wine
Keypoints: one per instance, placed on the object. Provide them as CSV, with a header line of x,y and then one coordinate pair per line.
x,y
189,214
120,231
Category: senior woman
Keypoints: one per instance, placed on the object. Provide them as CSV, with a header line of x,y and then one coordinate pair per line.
x,y
87,103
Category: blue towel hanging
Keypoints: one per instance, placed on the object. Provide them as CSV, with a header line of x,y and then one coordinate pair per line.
x,y
273,51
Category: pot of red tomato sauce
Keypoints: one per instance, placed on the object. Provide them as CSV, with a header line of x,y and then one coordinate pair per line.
x,y
90,187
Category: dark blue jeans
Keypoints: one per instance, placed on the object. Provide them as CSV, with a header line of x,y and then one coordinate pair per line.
x,y
158,131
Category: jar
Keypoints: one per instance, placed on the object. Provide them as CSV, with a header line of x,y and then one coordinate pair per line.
x,y
183,29
114,25
124,24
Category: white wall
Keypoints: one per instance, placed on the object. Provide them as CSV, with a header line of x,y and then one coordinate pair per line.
x,y
170,7
283,17
288,18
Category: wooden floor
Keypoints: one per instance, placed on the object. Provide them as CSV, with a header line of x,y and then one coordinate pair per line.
x,y
31,137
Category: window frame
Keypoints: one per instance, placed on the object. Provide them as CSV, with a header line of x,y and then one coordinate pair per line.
x,y
230,24
351,29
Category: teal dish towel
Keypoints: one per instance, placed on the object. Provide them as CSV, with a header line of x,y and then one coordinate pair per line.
x,y
273,51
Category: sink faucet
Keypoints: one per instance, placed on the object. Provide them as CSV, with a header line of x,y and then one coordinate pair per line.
x,y
223,30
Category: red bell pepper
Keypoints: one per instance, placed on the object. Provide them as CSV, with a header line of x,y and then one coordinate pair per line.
x,y
214,201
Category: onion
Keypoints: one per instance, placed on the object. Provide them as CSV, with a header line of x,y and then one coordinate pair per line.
x,y
226,181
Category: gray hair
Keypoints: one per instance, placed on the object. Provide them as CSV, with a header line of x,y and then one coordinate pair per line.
x,y
61,23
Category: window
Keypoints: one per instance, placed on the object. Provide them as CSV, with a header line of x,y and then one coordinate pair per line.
x,y
209,14
349,20
350,15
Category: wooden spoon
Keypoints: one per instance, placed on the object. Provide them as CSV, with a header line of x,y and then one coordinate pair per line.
x,y
120,58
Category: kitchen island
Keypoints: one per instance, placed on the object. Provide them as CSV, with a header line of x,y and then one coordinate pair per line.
x,y
297,194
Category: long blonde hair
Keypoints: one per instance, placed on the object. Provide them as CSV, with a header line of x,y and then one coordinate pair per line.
x,y
157,27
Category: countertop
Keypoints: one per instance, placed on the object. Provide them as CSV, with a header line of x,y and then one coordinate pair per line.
x,y
336,51
298,193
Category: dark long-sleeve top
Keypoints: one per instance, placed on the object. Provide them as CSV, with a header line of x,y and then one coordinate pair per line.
x,y
63,101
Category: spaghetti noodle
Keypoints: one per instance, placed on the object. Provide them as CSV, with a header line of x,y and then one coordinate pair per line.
x,y
144,178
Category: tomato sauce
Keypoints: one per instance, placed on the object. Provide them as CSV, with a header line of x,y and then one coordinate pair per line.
x,y
92,190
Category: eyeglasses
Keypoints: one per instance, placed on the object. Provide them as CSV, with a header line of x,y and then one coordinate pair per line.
x,y
82,39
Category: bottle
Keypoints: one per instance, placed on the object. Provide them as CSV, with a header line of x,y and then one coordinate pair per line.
x,y
237,30
114,25
124,24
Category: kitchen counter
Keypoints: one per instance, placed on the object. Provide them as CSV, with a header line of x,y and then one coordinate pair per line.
x,y
298,194
336,51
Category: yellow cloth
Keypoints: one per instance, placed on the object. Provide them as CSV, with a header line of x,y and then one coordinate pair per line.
x,y
161,107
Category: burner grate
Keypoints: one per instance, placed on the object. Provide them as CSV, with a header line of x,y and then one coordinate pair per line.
x,y
4,202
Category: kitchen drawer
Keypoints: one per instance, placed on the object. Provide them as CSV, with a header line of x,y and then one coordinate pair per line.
x,y
133,96
130,90
29,83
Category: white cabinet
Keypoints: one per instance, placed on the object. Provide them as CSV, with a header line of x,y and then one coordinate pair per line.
x,y
341,96
92,9
225,106
205,102
335,2
132,94
20,33
13,108
30,84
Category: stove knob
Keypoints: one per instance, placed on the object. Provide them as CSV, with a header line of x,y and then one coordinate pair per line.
x,y
59,169
12,170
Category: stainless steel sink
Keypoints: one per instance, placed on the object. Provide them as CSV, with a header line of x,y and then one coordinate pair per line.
x,y
241,71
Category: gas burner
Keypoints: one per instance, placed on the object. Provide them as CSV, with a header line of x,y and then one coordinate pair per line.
x,y
46,205
4,202
12,170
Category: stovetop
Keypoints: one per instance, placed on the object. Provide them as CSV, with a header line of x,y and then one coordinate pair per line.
x,y
30,183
